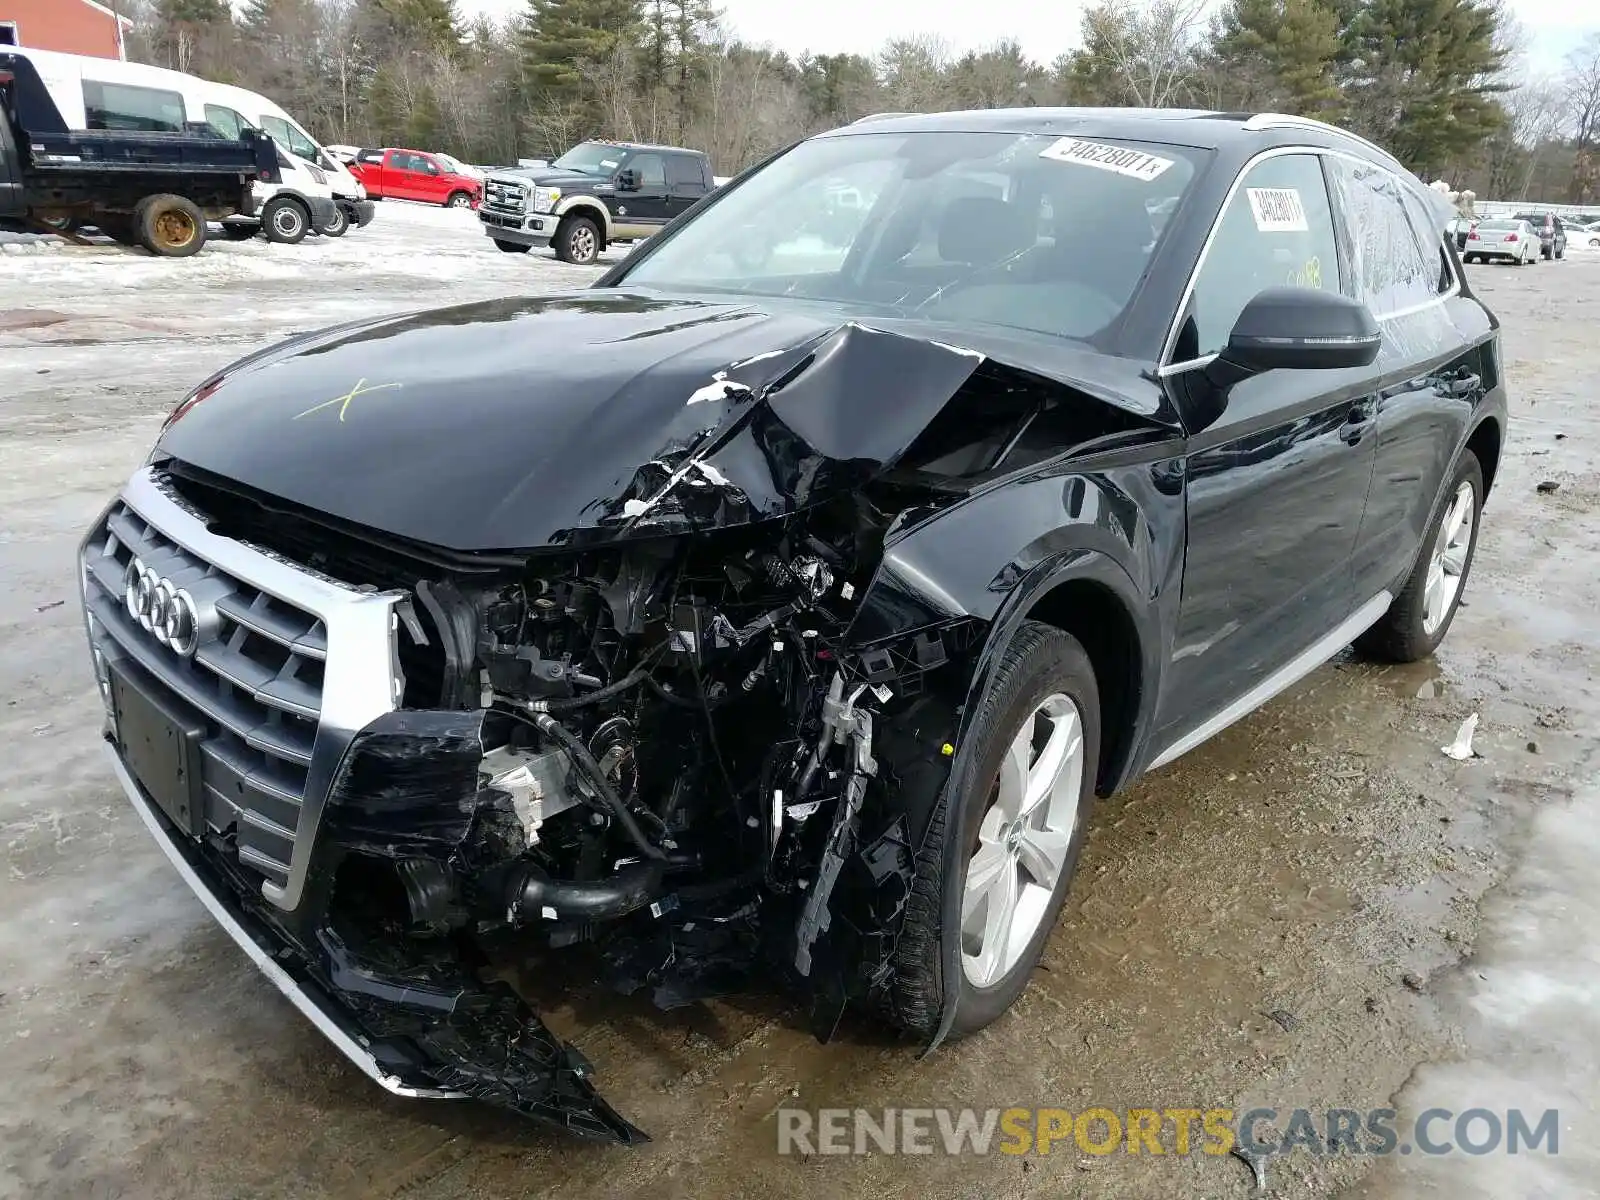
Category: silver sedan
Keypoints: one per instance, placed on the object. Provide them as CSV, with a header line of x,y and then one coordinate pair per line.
x,y
1512,240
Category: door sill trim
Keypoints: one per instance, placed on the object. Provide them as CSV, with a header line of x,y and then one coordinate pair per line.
x,y
1296,669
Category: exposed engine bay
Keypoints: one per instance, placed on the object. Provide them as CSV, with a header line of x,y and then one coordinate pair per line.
x,y
654,757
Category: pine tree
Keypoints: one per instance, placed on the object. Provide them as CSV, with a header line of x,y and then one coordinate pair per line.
x,y
561,36
1423,77
1279,55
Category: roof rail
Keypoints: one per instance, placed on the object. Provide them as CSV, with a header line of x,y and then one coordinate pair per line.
x,y
883,116
1286,121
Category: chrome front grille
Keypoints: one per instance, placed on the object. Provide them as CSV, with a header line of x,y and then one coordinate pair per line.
x,y
505,195
286,666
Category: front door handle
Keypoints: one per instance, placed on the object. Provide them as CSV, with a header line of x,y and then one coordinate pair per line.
x,y
1356,424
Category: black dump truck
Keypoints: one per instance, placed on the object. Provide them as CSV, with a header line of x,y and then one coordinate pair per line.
x,y
155,190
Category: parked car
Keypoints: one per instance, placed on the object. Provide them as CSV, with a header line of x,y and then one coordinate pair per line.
x,y
1589,235
1459,228
596,194
414,175
1508,238
1551,231
729,626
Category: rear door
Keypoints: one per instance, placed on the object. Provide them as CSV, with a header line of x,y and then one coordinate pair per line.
x,y
399,178
1277,484
686,182
1432,367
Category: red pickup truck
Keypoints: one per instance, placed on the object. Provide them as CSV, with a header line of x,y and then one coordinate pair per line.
x,y
412,175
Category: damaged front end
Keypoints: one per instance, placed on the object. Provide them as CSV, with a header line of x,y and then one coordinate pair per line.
x,y
688,742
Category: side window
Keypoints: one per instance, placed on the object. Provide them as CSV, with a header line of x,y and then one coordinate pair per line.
x,y
225,121
649,170
421,162
132,109
1277,232
291,136
397,160
1431,231
683,171
370,156
1393,272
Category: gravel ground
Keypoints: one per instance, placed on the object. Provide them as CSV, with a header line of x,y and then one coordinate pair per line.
x,y
1316,909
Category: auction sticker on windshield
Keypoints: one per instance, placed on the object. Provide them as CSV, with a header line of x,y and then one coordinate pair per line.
x,y
1278,210
1120,159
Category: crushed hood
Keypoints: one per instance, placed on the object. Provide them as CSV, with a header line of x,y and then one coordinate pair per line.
x,y
523,423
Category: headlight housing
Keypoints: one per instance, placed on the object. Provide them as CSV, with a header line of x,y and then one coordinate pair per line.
x,y
545,199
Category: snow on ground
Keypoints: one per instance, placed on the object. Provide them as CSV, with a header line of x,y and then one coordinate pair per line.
x,y
61,303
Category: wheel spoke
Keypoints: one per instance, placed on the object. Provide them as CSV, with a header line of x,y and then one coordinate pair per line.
x,y
1014,773
1047,768
1454,561
999,913
1459,509
984,871
1043,852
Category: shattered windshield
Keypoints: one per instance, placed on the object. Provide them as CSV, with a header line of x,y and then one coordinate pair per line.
x,y
590,158
1041,233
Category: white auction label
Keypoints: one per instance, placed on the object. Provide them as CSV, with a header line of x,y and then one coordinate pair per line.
x,y
1123,161
1278,210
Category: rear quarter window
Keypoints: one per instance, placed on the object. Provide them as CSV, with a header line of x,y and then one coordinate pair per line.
x,y
132,109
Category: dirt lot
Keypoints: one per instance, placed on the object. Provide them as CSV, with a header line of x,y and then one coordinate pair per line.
x,y
1317,909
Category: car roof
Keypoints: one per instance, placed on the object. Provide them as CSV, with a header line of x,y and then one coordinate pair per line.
x,y
1204,129
639,145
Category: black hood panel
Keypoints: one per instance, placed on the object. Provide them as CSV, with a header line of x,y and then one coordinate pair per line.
x,y
523,423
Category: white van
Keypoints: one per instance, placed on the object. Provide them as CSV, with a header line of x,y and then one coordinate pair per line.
x,y
100,93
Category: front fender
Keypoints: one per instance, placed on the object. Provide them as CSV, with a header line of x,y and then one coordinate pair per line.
x,y
589,207
994,557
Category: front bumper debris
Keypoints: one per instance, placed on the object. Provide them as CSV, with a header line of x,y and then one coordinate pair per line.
x,y
425,1031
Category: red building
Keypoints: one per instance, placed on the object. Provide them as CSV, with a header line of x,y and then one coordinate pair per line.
x,y
71,26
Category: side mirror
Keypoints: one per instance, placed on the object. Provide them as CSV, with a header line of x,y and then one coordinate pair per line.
x,y
627,180
1299,329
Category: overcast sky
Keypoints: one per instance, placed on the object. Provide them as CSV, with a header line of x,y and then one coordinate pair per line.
x,y
1553,27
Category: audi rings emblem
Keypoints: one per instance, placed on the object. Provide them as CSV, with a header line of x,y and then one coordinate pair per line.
x,y
162,608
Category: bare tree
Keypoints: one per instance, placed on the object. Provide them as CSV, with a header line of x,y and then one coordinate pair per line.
x,y
1146,52
1582,90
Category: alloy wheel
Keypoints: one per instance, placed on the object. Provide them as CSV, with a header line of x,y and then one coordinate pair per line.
x,y
583,244
1449,562
1023,840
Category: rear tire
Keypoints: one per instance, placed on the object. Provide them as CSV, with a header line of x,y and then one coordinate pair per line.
x,y
285,220
511,247
169,226
578,241
1042,669
1420,617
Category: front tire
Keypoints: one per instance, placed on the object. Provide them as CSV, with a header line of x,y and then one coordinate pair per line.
x,y
285,220
1020,820
339,225
578,241
458,200
1421,615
